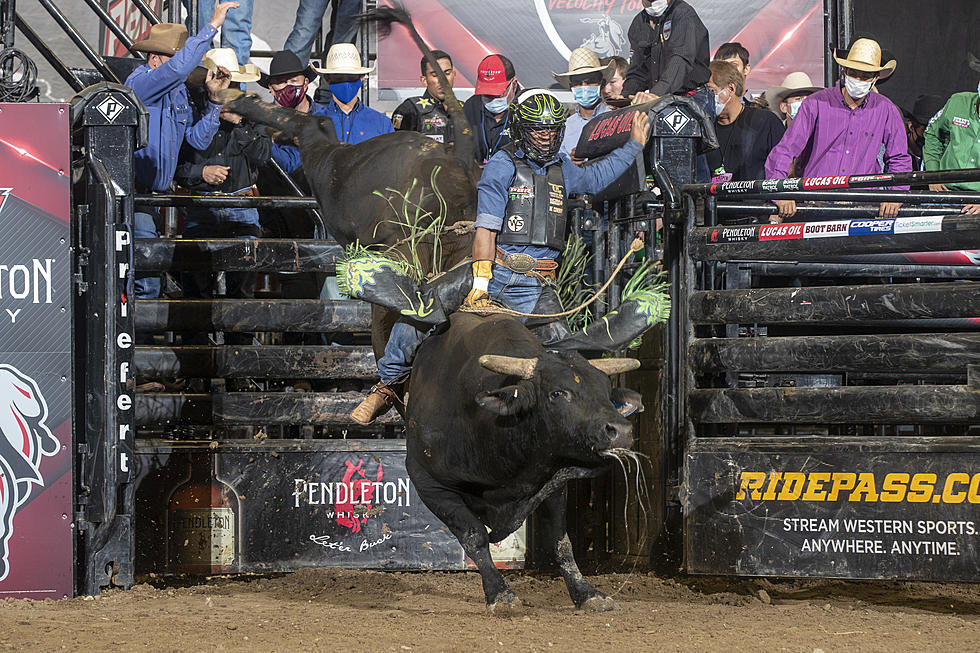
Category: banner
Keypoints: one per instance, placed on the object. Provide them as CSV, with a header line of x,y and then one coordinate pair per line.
x,y
36,513
132,21
782,36
815,509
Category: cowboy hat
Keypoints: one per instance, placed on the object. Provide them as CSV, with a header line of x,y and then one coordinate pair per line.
x,y
583,61
926,107
865,55
225,57
285,64
343,59
797,83
164,38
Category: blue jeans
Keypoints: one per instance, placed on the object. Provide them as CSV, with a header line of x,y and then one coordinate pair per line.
x,y
309,19
205,221
236,33
145,226
515,291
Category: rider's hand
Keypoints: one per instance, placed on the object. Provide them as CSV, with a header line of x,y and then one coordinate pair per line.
x,y
889,209
216,82
640,130
787,209
479,295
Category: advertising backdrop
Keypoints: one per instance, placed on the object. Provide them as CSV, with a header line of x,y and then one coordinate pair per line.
x,y
537,35
35,353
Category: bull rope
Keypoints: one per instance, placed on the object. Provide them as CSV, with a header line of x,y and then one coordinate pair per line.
x,y
635,247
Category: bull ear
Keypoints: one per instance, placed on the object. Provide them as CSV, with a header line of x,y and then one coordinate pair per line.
x,y
613,366
508,400
626,401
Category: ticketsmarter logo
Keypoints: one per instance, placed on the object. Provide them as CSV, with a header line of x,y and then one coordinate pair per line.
x,y
25,440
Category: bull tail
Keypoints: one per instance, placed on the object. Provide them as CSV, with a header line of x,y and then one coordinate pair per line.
x,y
384,18
290,124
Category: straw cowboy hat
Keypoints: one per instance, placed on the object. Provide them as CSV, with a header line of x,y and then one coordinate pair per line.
x,y
793,84
225,57
164,38
343,59
583,61
865,55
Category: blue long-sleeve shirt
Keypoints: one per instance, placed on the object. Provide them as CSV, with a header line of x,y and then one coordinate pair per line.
x,y
498,175
359,125
172,121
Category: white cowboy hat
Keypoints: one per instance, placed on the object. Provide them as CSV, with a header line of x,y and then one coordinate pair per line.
x,y
797,83
343,59
583,61
865,55
225,57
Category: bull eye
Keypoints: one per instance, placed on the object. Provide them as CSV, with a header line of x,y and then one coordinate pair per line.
x,y
559,394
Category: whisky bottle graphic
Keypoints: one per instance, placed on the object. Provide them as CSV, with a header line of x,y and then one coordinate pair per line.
x,y
202,521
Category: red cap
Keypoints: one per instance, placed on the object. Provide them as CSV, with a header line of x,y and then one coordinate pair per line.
x,y
493,75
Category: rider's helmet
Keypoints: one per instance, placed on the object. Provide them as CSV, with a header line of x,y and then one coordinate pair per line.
x,y
538,124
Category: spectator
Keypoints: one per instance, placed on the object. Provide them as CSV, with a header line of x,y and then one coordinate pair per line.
x,y
952,141
428,113
841,130
785,100
496,88
309,21
612,89
746,134
236,33
670,53
926,107
353,121
670,56
585,77
160,86
738,56
289,80
229,166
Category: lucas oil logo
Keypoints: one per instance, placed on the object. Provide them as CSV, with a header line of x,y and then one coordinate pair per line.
x,y
24,440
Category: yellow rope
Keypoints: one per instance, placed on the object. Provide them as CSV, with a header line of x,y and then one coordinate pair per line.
x,y
635,246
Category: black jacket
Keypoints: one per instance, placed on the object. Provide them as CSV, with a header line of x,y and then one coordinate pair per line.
x,y
490,135
242,147
671,58
426,115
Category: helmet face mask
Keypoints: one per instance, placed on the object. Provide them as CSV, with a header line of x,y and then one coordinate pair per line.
x,y
538,125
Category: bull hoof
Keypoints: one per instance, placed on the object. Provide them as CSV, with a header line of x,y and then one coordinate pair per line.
x,y
506,605
600,603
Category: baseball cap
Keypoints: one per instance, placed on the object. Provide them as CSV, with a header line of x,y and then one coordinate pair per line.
x,y
493,75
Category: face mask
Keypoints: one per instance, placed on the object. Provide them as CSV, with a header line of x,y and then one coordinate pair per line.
x,y
497,105
856,88
719,105
586,96
345,91
794,108
978,89
290,96
657,9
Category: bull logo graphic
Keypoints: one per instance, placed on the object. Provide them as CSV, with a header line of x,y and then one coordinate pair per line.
x,y
25,439
360,493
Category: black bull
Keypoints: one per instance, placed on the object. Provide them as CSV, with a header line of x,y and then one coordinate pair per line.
x,y
493,438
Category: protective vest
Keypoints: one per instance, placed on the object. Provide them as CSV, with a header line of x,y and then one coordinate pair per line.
x,y
535,213
433,121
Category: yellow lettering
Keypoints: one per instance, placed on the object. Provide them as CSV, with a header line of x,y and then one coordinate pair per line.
x,y
841,481
894,488
771,488
814,488
920,491
974,493
751,481
865,488
949,496
793,483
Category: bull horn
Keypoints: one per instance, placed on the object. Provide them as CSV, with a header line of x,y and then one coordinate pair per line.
x,y
522,367
613,366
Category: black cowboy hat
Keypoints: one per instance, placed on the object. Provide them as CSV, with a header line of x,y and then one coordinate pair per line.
x,y
925,107
286,64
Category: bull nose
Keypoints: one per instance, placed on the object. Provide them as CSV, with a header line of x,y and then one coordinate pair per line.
x,y
620,435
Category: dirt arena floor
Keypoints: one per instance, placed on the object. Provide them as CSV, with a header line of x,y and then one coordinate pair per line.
x,y
338,610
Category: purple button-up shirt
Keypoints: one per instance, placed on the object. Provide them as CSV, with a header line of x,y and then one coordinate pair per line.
x,y
830,138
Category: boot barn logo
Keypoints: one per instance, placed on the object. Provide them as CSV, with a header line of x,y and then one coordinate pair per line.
x,y
24,441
